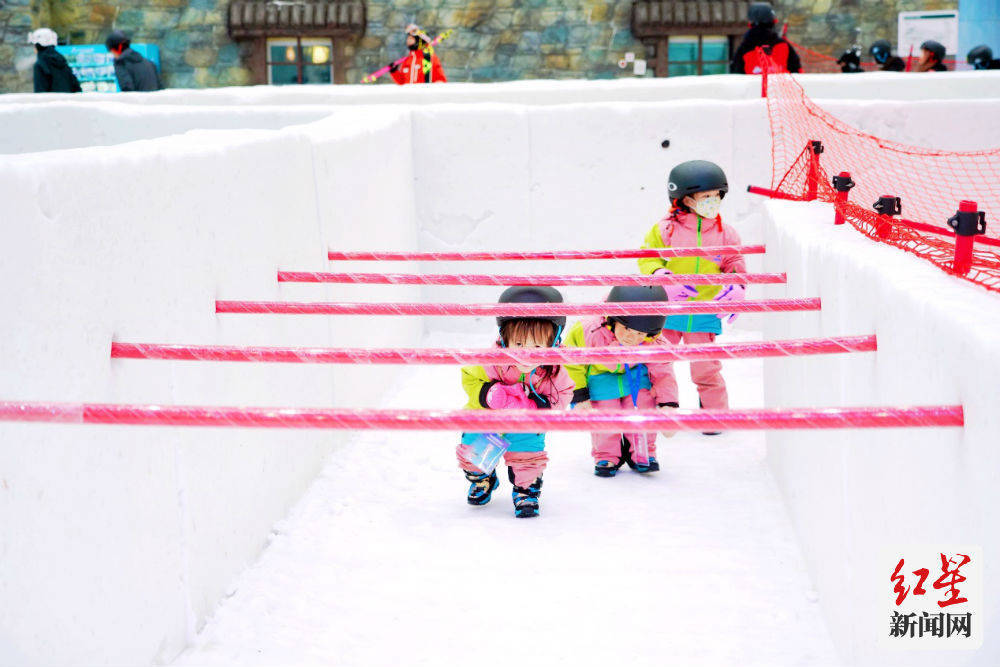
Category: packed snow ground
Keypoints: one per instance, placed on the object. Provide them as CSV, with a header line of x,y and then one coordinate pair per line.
x,y
383,562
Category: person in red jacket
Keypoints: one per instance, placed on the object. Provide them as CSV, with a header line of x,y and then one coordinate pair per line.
x,y
421,65
762,33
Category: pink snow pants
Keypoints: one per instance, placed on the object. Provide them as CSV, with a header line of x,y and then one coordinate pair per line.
x,y
607,446
526,466
707,375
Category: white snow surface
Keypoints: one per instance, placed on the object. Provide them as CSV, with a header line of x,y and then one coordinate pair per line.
x,y
383,561
133,240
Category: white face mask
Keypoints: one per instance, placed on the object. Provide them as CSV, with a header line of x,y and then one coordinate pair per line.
x,y
708,207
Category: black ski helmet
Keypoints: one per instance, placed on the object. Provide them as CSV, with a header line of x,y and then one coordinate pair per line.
x,y
761,13
532,294
651,324
880,50
694,176
117,38
980,57
936,48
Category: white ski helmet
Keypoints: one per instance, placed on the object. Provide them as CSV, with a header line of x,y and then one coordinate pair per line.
x,y
43,37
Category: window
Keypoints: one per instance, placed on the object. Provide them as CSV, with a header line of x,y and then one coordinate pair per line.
x,y
293,60
697,54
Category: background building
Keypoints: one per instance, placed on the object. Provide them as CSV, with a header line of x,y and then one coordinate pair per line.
x,y
238,42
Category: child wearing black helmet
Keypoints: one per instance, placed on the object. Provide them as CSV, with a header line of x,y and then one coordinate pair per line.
x,y
515,387
881,53
639,386
981,57
931,57
696,189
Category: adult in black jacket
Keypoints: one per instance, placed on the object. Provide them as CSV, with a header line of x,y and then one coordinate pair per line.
x,y
52,72
881,53
762,33
134,72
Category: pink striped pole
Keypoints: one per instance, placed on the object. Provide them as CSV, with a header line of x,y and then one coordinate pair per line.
x,y
576,280
393,256
516,309
506,421
496,356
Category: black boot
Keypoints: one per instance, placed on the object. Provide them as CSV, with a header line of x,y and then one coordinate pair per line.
x,y
481,489
652,466
525,499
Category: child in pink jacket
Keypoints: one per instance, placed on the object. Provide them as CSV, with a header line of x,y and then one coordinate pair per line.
x,y
520,388
638,386
696,191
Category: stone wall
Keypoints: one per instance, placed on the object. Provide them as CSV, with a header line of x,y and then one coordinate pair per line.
x,y
195,49
828,26
494,40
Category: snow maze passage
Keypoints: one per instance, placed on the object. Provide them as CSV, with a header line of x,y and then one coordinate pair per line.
x,y
129,220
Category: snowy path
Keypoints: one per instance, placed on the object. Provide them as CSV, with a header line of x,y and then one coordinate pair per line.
x,y
383,562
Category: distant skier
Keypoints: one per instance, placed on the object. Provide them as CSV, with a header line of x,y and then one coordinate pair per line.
x,y
52,73
696,189
850,61
421,66
511,386
762,33
623,386
981,57
134,72
931,57
881,53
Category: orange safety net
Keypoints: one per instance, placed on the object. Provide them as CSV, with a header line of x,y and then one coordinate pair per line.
x,y
929,182
814,62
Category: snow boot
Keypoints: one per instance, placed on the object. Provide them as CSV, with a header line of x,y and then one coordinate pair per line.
x,y
653,465
481,489
525,499
607,468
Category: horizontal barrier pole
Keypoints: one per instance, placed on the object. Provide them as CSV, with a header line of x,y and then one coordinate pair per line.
x,y
944,231
496,356
479,279
505,421
393,256
773,194
517,309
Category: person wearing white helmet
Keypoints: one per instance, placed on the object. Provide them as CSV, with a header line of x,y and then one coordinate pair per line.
x,y
52,72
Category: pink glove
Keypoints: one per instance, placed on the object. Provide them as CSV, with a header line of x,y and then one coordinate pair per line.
x,y
509,396
731,293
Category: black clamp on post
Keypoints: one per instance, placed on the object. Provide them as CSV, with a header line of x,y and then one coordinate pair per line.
x,y
888,205
967,221
843,182
816,146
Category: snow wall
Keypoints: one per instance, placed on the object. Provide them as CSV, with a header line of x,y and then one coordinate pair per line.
x,y
853,495
117,542
123,539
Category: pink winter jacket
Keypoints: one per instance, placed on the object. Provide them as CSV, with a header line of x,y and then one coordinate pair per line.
x,y
682,229
556,389
594,332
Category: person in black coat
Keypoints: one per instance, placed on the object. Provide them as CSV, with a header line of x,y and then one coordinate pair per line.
x,y
134,72
762,33
52,72
881,53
